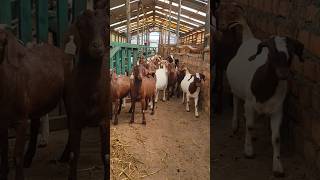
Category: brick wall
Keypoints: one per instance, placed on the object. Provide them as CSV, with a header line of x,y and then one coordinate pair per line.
x,y
199,63
299,19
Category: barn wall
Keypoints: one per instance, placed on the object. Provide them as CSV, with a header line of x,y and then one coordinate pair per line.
x,y
199,63
300,20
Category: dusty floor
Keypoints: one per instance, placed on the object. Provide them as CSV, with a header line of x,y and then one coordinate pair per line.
x,y
45,168
173,145
229,162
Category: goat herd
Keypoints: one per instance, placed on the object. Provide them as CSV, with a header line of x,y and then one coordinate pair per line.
x,y
150,77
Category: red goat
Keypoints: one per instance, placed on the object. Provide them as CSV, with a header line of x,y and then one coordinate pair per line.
x,y
32,84
87,92
120,88
142,88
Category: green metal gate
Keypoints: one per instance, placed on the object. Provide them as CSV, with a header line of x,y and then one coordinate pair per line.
x,y
124,55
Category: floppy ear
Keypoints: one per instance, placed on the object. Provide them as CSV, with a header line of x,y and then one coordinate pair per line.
x,y
296,47
259,50
203,77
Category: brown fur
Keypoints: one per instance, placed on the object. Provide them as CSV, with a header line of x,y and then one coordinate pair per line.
x,y
32,84
172,79
87,94
142,88
120,88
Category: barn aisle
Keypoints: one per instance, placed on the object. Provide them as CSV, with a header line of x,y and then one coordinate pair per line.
x,y
229,161
173,144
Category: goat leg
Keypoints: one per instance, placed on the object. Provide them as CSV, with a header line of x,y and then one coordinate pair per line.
x,y
116,107
75,137
143,103
4,167
104,150
120,106
32,146
133,104
152,111
19,148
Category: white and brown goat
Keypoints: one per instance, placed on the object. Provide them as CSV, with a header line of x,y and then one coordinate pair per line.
x,y
258,75
191,86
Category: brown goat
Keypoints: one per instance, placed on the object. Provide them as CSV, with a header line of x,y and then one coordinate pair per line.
x,y
87,92
32,83
142,88
120,88
172,79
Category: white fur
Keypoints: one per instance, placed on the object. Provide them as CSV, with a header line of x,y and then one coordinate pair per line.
x,y
281,44
240,72
185,83
161,82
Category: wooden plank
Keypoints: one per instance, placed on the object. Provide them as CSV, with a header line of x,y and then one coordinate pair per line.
x,y
42,20
5,12
62,15
25,21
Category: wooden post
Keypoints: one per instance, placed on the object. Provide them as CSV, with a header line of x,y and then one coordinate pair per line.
x,y
42,20
25,21
207,26
5,12
138,25
128,21
178,23
169,25
62,15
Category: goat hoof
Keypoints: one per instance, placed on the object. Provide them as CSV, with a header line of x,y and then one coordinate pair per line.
x,y
152,113
278,174
197,116
188,110
115,123
144,123
131,122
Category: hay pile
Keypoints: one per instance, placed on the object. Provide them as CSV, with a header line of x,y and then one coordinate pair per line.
x,y
124,165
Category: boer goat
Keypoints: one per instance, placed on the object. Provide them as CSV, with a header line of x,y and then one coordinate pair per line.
x,y
32,83
143,88
87,91
120,88
258,75
161,80
191,85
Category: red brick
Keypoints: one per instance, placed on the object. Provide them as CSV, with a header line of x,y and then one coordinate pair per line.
x,y
310,70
